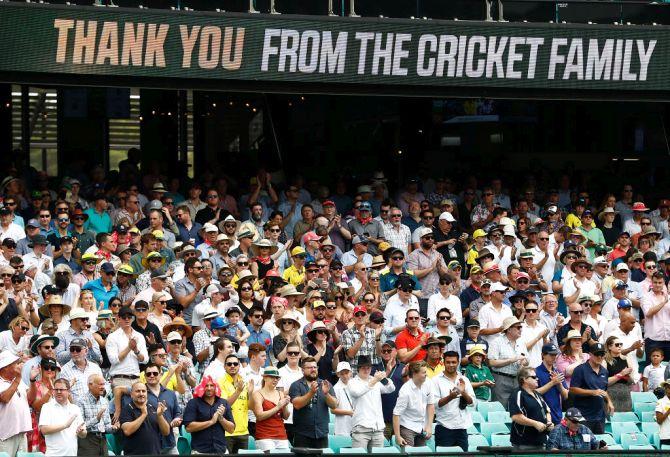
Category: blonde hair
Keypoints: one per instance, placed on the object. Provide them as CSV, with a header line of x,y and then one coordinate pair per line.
x,y
77,304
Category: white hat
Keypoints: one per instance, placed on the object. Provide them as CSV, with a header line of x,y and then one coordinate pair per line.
x,y
622,266
508,230
507,221
420,233
498,287
446,216
7,358
211,290
78,313
210,313
173,336
343,366
599,260
209,227
222,237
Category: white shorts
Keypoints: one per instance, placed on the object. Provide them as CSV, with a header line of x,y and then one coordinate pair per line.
x,y
266,445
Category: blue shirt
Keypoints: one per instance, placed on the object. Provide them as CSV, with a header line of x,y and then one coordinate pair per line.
x,y
74,266
261,337
99,291
591,407
310,420
561,438
210,440
185,234
553,395
98,222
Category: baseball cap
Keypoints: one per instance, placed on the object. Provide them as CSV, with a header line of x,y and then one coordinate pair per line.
x,y
342,366
365,206
107,267
478,233
377,317
390,343
623,303
473,323
79,342
328,203
141,305
321,303
598,348
357,239
125,311
174,336
574,414
475,269
622,267
620,285
359,309
498,287
33,223
550,348
298,250
446,216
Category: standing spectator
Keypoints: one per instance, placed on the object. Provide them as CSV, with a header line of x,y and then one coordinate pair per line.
x,y
61,422
572,355
415,408
551,383
426,263
453,393
653,373
619,374
78,370
364,225
79,323
493,314
575,323
531,418
550,316
411,340
589,387
158,395
238,393
142,325
14,410
366,390
572,435
142,424
345,407
478,373
360,340
662,412
656,308
103,288
396,372
398,235
189,289
290,373
398,307
270,409
533,333
507,355
94,408
311,398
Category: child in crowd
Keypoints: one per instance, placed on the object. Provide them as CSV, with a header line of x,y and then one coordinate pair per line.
x,y
652,376
236,327
479,374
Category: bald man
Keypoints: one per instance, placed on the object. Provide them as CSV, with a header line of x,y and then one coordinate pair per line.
x,y
95,410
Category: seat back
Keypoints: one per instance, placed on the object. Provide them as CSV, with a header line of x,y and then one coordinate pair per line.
x,y
417,449
642,407
500,440
643,397
353,450
474,441
335,442
623,427
607,438
485,407
627,439
648,416
385,450
502,417
624,417
493,428
448,449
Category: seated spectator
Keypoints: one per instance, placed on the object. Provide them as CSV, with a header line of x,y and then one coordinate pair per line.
x,y
479,374
572,434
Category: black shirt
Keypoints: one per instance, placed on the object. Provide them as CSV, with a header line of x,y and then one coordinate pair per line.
x,y
146,440
310,420
617,366
210,440
563,332
207,214
533,407
150,328
10,312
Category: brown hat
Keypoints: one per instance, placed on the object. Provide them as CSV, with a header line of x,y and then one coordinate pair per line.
x,y
176,323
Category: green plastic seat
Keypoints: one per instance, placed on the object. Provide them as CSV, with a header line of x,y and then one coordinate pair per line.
x,y
484,407
624,417
501,417
614,447
353,450
474,441
489,429
500,440
417,449
250,451
184,445
643,397
648,416
607,438
336,442
628,439
29,454
114,443
643,407
619,428
641,447
385,450
651,430
448,449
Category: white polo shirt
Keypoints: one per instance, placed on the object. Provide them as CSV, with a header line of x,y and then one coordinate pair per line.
x,y
412,403
65,441
450,415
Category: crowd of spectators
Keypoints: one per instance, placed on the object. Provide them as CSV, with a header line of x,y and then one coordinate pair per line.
x,y
157,308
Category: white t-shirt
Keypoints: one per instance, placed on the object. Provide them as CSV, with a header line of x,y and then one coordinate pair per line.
x,y
7,342
662,406
654,376
489,317
586,287
343,423
436,302
65,441
547,271
528,334
288,377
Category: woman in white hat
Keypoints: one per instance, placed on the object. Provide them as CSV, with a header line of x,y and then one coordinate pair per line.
x,y
56,310
271,409
572,355
262,262
322,351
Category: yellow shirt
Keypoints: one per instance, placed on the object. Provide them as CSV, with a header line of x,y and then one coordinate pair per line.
x,y
240,408
573,221
171,385
293,275
432,372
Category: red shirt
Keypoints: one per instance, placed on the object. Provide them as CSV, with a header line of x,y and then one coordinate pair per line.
x,y
408,341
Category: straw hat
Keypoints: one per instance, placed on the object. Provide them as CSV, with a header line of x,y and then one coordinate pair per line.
x,y
53,301
176,323
263,243
287,317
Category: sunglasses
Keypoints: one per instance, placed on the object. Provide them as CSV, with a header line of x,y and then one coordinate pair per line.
x,y
576,312
257,316
246,289
211,197
151,374
369,300
232,364
50,368
312,270
25,329
63,220
429,237
44,216
274,230
398,258
570,257
405,289
531,377
360,315
336,268
619,345
321,332
174,342
242,264
293,353
327,249
374,278
331,307
75,349
530,310
413,318
47,347
522,281
444,318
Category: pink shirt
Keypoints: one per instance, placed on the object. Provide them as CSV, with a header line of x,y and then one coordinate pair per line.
x,y
656,327
562,363
15,415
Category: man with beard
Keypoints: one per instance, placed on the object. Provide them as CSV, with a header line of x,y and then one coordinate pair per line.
x,y
208,417
245,239
221,258
211,213
238,393
311,398
426,263
255,220
87,273
449,241
142,424
365,226
189,290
